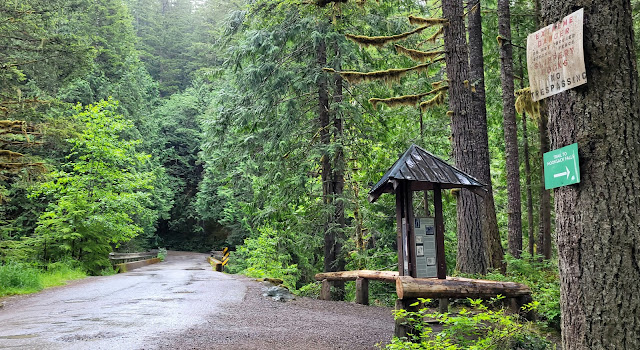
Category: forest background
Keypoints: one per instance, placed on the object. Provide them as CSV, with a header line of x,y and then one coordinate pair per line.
x,y
194,125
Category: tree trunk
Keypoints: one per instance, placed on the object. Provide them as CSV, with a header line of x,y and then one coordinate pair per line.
x,y
598,220
495,253
326,174
527,165
338,167
544,212
510,131
464,131
545,195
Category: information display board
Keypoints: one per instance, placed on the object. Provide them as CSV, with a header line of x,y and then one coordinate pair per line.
x,y
426,262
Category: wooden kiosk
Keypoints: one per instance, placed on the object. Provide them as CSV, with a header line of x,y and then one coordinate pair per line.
x,y
424,275
419,170
422,268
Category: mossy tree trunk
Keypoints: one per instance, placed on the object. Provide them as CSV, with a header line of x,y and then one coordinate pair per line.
x,y
465,132
598,220
495,252
514,209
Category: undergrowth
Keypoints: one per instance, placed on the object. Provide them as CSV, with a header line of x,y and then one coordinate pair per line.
x,y
21,278
476,328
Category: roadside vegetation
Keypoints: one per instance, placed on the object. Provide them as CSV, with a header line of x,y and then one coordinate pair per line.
x,y
20,278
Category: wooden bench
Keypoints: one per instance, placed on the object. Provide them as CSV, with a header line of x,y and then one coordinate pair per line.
x,y
361,277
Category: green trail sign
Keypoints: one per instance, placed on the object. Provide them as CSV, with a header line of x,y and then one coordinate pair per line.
x,y
561,167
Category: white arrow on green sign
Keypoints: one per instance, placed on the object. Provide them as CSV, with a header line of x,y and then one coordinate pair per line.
x,y
561,167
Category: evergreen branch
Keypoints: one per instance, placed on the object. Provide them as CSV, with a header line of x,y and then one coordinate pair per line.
x,y
435,101
432,39
381,40
389,75
407,100
417,55
429,22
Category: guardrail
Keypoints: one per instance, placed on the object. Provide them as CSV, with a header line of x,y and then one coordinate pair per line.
x,y
124,262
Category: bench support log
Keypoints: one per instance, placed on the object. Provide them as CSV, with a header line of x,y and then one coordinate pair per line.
x,y
325,292
402,329
362,291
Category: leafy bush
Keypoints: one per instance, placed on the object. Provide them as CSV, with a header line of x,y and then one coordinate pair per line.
x,y
542,277
478,328
266,256
162,253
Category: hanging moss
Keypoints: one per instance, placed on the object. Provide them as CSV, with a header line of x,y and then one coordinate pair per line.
x,y
437,100
323,3
524,103
449,114
381,40
421,21
432,39
407,100
417,55
388,76
9,154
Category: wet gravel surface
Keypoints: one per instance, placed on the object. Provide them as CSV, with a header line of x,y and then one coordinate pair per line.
x,y
182,304
259,322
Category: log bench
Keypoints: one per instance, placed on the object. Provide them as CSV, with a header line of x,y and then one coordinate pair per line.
x,y
410,288
361,277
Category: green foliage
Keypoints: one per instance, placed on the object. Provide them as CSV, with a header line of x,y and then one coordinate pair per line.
x,y
22,278
477,328
266,256
162,253
101,197
16,278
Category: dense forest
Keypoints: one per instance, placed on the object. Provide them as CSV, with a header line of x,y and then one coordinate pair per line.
x,y
262,125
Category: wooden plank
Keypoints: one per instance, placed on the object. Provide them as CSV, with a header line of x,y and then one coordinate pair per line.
x,y
457,287
411,234
439,223
362,291
385,276
399,242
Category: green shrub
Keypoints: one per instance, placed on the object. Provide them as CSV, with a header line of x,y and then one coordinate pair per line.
x,y
19,279
477,328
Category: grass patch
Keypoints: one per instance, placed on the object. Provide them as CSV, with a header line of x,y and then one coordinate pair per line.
x,y
19,278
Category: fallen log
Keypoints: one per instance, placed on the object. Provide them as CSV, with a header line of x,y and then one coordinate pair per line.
x,y
385,276
457,287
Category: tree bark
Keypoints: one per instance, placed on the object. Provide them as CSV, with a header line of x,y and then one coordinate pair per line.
x,y
545,195
326,173
471,256
598,220
527,164
338,173
495,252
544,211
514,209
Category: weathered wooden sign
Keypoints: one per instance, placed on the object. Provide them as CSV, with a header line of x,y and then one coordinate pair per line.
x,y
555,57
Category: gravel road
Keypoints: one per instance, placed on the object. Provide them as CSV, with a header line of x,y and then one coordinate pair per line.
x,y
182,304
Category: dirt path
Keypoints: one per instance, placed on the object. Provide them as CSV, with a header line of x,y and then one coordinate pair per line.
x,y
182,304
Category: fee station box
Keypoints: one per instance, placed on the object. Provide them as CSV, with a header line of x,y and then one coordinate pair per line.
x,y
425,232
